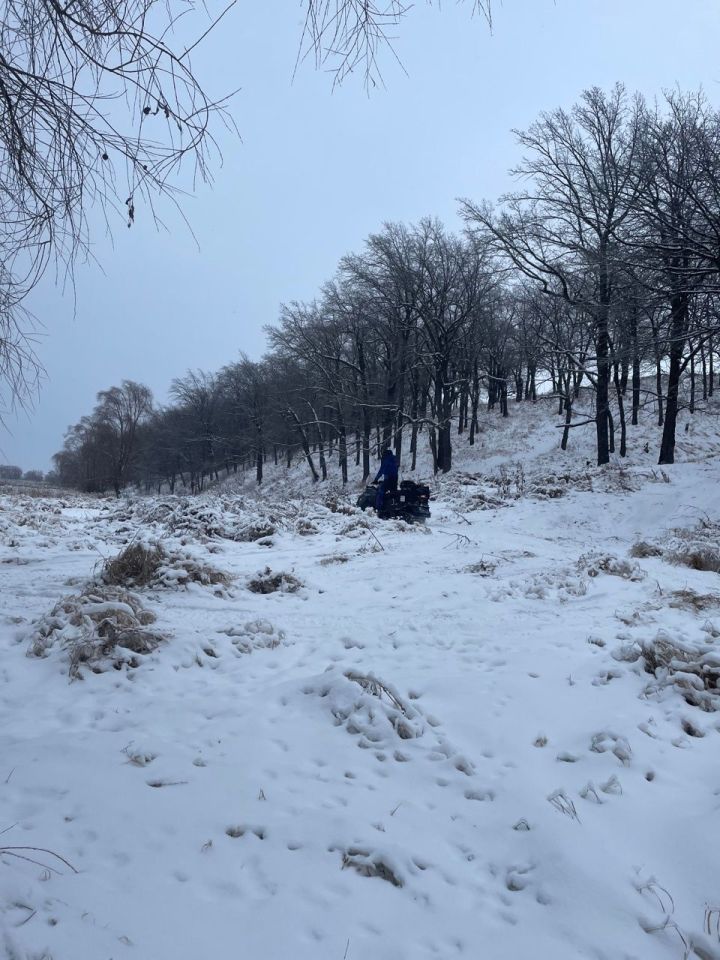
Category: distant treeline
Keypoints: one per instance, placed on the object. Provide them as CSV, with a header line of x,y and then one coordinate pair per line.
x,y
8,472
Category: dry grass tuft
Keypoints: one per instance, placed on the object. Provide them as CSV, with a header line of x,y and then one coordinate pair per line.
x,y
255,531
642,550
101,628
698,549
693,671
335,505
483,568
269,582
690,600
136,566
142,565
596,563
402,716
369,864
334,558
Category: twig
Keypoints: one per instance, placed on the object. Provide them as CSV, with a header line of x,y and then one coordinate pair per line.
x,y
29,917
10,852
375,539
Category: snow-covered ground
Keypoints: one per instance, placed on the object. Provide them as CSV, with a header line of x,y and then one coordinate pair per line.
x,y
429,742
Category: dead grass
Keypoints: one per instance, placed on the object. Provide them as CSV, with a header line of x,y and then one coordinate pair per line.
x,y
596,563
697,557
269,582
335,505
142,565
101,628
694,672
690,600
136,566
255,531
483,568
369,864
642,550
698,548
402,716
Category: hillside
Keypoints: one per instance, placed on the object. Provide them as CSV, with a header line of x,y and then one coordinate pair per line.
x,y
495,735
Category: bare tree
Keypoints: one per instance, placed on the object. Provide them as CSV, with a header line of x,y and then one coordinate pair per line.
x,y
118,414
562,230
346,36
96,107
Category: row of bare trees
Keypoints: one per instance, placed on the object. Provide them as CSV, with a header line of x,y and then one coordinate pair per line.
x,y
619,219
598,278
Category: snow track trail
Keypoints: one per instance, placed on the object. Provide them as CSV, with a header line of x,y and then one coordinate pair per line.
x,y
444,743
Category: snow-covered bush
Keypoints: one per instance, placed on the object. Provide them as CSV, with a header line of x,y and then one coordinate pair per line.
x,y
698,548
100,628
254,635
594,564
143,565
268,582
693,669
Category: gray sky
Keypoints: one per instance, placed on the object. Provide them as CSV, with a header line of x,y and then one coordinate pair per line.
x,y
317,171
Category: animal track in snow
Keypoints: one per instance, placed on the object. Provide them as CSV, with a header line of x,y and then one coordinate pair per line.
x,y
238,830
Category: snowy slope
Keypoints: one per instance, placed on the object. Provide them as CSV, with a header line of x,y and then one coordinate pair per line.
x,y
445,743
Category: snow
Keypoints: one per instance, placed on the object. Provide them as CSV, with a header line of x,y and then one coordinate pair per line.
x,y
443,741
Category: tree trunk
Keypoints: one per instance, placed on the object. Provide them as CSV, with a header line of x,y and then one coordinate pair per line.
x,y
568,414
304,442
635,372
342,448
602,408
692,381
677,345
621,409
711,372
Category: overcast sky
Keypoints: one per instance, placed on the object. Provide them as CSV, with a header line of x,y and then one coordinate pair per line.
x,y
317,171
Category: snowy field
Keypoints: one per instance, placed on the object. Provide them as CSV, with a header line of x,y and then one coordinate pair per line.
x,y
494,736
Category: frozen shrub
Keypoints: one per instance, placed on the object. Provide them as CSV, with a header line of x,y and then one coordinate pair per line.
x,y
690,600
306,528
101,628
596,563
254,635
334,558
254,531
642,550
356,528
136,566
694,670
269,582
484,568
141,565
698,549
371,864
336,505
182,569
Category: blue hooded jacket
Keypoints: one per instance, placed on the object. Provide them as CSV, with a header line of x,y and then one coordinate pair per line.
x,y
388,466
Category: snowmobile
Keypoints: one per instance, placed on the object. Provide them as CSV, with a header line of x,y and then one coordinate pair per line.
x,y
410,502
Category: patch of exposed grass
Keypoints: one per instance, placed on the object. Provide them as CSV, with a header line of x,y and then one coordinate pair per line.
x,y
135,566
269,582
642,550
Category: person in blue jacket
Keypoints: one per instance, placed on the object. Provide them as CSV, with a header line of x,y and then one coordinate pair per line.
x,y
389,473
